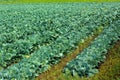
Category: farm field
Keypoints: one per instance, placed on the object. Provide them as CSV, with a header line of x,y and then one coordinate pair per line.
x,y
59,41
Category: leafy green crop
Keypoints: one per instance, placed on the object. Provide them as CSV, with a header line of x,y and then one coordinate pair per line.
x,y
35,36
87,62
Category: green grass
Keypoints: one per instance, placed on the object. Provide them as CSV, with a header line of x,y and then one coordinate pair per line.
x,y
46,1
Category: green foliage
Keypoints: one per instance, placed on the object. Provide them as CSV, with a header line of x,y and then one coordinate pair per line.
x,y
87,62
39,35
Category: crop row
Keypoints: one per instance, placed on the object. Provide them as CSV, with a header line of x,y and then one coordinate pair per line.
x,y
70,26
87,62
24,30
